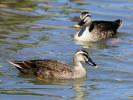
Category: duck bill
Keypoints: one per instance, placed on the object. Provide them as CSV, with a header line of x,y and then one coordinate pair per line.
x,y
80,23
90,62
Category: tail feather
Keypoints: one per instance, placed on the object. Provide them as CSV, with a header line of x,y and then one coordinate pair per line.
x,y
119,21
17,64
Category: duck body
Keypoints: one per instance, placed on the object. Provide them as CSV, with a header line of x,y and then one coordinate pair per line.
x,y
51,68
95,30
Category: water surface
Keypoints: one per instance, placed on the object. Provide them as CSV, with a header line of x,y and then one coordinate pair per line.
x,y
43,29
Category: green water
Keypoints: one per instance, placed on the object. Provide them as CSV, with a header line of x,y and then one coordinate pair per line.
x,y
43,29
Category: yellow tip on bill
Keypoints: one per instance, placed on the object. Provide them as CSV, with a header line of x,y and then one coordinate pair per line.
x,y
77,25
96,66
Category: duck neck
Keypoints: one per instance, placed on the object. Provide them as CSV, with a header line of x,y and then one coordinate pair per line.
x,y
79,71
77,64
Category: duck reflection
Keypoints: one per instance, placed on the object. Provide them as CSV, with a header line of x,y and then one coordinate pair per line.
x,y
98,45
77,85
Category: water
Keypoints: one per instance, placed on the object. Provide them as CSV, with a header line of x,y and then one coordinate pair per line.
x,y
43,29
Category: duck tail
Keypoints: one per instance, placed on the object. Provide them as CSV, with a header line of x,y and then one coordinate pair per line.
x,y
16,64
119,22
21,67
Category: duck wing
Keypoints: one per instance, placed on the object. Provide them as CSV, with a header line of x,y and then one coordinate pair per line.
x,y
47,64
105,29
31,66
106,25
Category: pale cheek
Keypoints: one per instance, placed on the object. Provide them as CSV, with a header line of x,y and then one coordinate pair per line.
x,y
88,22
86,19
81,59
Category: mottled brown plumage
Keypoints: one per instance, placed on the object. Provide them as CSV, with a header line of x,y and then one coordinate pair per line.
x,y
54,69
95,30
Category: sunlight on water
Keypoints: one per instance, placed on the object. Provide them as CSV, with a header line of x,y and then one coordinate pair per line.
x,y
43,29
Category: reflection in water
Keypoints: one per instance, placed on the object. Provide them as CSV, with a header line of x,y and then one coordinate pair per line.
x,y
55,84
130,96
59,88
96,45
76,86
79,2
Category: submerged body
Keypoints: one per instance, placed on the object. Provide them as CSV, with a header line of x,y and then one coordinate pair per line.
x,y
55,69
95,30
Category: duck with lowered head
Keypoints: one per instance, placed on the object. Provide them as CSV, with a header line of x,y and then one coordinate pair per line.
x,y
54,69
95,30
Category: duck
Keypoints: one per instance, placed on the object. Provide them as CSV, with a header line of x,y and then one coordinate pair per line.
x,y
95,30
49,68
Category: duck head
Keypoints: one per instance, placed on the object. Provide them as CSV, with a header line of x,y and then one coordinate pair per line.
x,y
83,56
85,19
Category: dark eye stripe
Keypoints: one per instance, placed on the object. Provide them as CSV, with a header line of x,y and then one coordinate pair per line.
x,y
85,52
86,56
86,16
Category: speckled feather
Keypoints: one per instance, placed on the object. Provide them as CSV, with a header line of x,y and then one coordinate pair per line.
x,y
105,29
44,68
48,64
